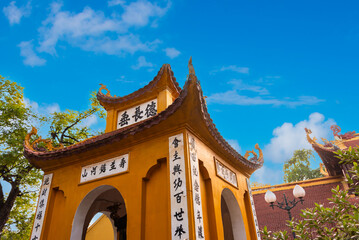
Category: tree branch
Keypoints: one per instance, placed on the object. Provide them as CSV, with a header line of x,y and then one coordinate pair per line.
x,y
76,122
71,138
1,196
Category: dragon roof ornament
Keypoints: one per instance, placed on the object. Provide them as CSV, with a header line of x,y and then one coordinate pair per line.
x,y
309,139
35,145
346,136
255,156
333,145
103,87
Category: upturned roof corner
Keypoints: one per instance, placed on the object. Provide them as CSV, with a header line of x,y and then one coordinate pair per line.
x,y
326,150
163,80
188,110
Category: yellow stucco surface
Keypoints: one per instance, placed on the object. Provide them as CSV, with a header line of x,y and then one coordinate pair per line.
x,y
100,230
145,187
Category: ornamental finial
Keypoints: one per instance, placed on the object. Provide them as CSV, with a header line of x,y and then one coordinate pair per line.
x,y
255,156
190,66
309,139
47,144
103,87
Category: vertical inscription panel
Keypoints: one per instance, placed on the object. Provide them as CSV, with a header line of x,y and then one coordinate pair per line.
x,y
41,207
253,210
179,208
196,189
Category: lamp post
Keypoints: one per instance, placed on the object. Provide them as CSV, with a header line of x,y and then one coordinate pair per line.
x,y
286,204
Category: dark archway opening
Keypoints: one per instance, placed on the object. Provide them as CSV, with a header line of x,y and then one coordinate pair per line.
x,y
104,199
232,220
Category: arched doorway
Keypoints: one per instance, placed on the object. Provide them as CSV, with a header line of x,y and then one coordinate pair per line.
x,y
107,200
232,220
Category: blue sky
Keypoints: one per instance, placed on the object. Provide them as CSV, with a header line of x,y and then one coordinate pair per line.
x,y
268,68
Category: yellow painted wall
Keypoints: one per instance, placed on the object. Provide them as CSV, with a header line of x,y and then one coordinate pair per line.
x,y
100,230
214,187
155,205
142,158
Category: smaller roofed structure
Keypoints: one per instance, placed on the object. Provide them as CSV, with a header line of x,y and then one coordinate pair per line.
x,y
326,150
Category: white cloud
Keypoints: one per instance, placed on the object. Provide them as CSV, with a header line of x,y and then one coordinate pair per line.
x,y
232,97
123,79
73,28
234,143
14,13
235,68
88,122
43,109
30,57
172,52
54,107
241,86
123,44
141,62
112,3
94,31
289,137
138,13
232,68
267,175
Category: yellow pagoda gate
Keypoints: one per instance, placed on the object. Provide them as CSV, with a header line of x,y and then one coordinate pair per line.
x,y
160,171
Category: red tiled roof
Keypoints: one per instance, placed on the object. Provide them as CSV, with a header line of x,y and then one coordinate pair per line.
x,y
329,159
275,219
352,143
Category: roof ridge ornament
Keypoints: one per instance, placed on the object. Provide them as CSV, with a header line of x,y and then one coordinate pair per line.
x,y
34,146
340,137
103,87
327,144
255,156
190,67
309,139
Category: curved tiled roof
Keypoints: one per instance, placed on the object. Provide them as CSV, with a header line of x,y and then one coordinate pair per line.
x,y
326,151
106,137
191,84
151,85
329,159
220,140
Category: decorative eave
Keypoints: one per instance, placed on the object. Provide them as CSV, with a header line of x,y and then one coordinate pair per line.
x,y
326,151
35,157
164,79
188,107
253,163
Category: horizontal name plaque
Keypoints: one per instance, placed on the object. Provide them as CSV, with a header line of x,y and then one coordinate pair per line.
x,y
225,173
105,168
137,114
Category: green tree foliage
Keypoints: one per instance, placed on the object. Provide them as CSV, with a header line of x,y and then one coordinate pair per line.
x,y
17,206
15,119
298,167
66,127
340,221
